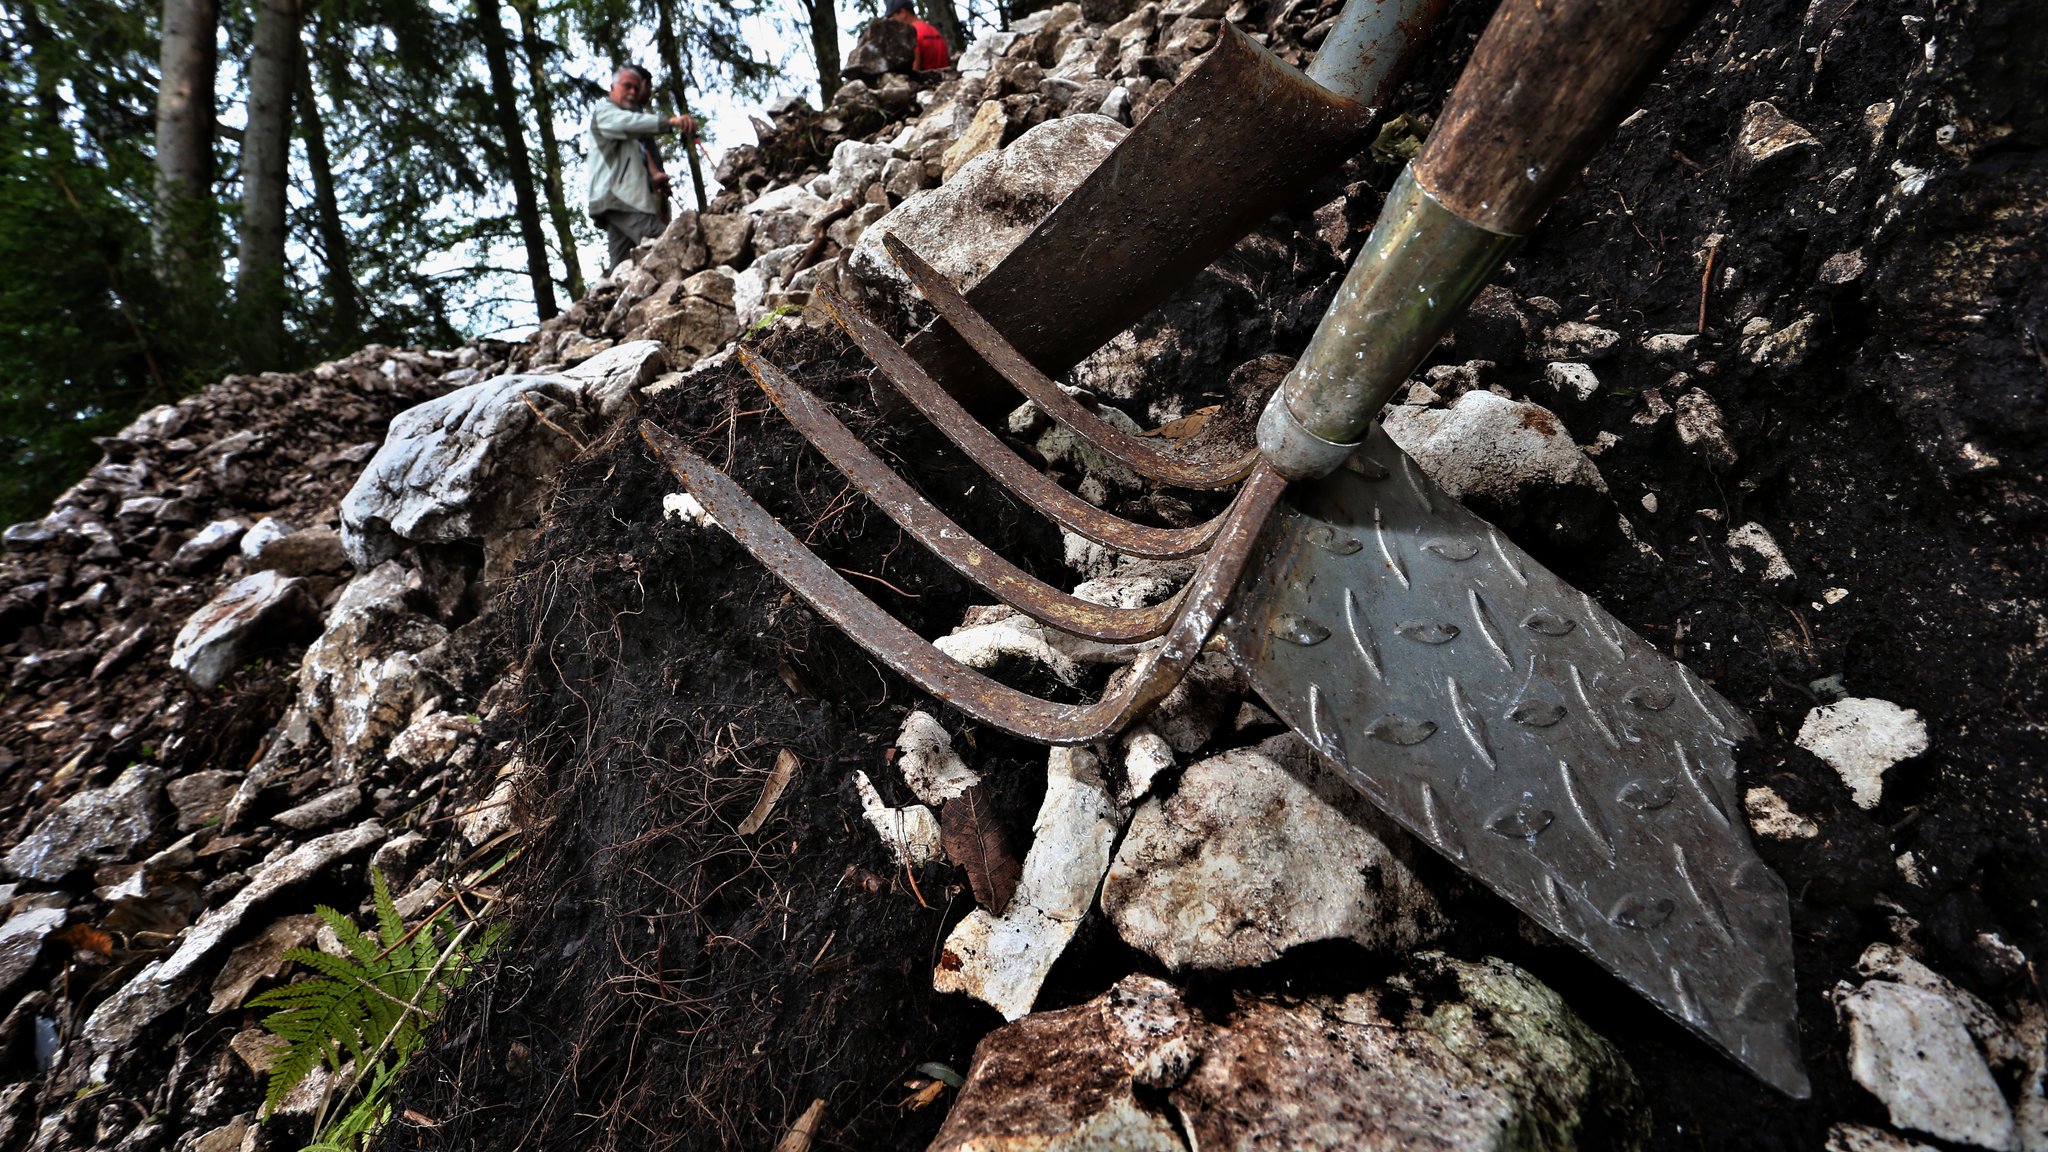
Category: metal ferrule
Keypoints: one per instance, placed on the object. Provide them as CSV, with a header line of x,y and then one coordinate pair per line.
x,y
1420,267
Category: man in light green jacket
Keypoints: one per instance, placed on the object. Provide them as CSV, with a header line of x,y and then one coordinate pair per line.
x,y
626,187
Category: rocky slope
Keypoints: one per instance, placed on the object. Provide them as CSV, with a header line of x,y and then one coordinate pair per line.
x,y
1767,384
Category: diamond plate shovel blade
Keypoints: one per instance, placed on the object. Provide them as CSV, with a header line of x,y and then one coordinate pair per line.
x,y
1506,719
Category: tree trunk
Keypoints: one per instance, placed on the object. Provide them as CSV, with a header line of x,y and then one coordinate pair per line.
x,y
505,103
825,46
182,232
672,60
341,280
266,162
550,148
942,16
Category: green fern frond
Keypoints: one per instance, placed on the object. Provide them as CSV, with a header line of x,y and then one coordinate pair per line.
x,y
371,1007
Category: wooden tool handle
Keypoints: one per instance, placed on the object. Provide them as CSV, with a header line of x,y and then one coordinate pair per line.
x,y
1547,83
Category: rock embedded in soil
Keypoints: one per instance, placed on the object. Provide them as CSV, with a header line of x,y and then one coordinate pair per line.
x,y
1490,446
1258,851
261,610
1860,738
1756,540
1912,1049
93,827
1003,960
1574,380
911,832
1448,1055
1700,427
1578,341
361,682
1770,816
1767,134
929,765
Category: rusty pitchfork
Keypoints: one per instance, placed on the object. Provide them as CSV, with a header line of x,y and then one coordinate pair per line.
x,y
1497,713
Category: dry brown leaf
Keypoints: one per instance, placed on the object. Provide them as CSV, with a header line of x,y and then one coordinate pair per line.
x,y
1187,425
785,771
972,835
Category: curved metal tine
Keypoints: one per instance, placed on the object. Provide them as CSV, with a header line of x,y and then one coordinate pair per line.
x,y
971,692
982,336
938,532
1033,486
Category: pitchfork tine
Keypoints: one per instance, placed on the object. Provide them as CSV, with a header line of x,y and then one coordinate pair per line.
x,y
946,414
982,336
971,692
938,532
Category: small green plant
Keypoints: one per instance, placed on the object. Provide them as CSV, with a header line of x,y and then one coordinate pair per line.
x,y
370,1007
770,317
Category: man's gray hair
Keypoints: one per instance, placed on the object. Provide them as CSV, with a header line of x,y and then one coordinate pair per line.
x,y
645,76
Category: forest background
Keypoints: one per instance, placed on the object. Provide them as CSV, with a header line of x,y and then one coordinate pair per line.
x,y
192,188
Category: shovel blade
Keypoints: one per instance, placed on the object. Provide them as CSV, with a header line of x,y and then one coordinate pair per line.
x,y
1515,726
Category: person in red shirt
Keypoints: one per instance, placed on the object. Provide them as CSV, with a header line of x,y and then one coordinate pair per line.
x,y
932,52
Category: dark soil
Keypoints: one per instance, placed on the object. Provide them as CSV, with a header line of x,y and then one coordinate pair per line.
x,y
669,983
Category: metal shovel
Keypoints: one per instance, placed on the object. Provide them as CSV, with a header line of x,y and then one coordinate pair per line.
x,y
1496,712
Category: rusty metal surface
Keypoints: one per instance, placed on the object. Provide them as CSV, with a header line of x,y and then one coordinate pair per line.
x,y
1015,473
1141,457
984,699
1507,720
938,531
1238,138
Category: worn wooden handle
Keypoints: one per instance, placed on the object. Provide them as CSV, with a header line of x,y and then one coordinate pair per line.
x,y
1548,82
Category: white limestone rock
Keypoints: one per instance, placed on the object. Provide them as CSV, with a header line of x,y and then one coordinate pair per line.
x,y
1860,738
1003,960
1912,1049
925,756
21,939
911,832
1770,816
1258,851
260,610
360,683
1700,428
1757,540
1767,134
1577,340
478,460
967,225
1488,445
856,165
1572,379
93,827
207,545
